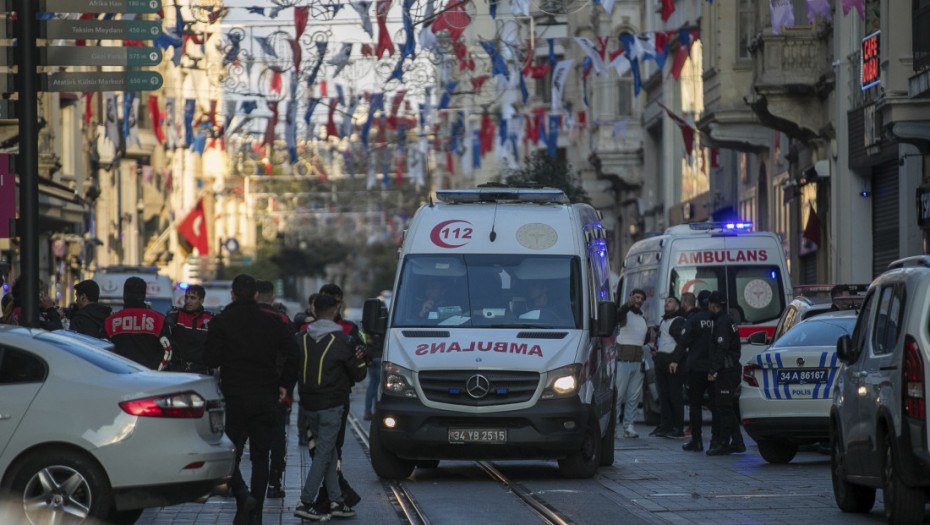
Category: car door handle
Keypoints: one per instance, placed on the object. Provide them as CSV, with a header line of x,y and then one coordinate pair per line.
x,y
5,416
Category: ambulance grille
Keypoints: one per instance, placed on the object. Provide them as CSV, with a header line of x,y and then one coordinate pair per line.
x,y
503,387
425,333
541,335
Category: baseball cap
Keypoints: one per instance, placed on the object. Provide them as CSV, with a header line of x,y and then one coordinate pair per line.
x,y
702,297
717,298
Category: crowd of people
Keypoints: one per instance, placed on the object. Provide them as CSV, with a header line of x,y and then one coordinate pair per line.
x,y
260,357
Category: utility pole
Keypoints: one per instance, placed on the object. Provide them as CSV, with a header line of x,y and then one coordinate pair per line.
x,y
27,164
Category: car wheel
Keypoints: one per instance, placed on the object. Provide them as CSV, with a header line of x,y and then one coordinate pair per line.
x,y
59,486
124,517
849,496
386,464
583,463
607,442
903,504
777,450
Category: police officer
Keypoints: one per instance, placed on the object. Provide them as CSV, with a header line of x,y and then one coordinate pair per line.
x,y
137,331
188,329
724,372
694,347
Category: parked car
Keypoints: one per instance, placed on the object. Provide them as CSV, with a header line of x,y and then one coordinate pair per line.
x,y
87,434
787,390
879,430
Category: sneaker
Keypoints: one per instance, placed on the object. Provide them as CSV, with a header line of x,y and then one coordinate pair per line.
x,y
274,492
630,432
656,432
341,510
722,450
307,512
693,446
675,434
737,448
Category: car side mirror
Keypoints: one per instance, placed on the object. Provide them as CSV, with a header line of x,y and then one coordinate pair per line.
x,y
606,321
374,316
758,338
844,351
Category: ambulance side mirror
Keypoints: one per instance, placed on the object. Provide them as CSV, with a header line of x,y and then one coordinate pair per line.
x,y
606,320
758,338
374,317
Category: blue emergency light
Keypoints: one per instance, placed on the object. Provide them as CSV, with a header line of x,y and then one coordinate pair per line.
x,y
183,286
741,226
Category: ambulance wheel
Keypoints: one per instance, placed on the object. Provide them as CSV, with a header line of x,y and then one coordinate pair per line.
x,y
584,462
386,464
607,442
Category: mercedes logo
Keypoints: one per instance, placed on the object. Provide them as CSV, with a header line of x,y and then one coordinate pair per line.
x,y
477,386
800,361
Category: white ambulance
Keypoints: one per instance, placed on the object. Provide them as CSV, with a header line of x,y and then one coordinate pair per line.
x,y
498,341
159,287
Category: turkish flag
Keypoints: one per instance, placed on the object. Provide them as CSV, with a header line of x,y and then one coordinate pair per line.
x,y
194,229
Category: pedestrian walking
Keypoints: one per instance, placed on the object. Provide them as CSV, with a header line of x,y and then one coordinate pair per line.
x,y
632,335
247,345
89,317
138,332
724,374
265,300
187,329
302,320
330,363
670,386
694,348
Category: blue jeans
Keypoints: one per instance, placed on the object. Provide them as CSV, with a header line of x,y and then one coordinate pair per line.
x,y
325,427
374,381
629,390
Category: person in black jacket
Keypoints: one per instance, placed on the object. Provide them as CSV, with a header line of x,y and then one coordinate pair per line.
x,y
694,348
90,315
188,332
724,374
330,363
138,332
246,344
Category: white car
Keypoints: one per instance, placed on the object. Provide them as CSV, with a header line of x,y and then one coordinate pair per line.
x,y
788,389
87,434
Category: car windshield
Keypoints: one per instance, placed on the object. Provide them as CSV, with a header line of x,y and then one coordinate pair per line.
x,y
489,291
754,294
92,354
819,331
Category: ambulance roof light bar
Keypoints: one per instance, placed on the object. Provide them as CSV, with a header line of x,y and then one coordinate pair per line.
x,y
539,196
729,226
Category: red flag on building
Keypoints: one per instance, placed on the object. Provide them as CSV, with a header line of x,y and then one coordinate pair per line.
x,y
194,229
812,230
687,130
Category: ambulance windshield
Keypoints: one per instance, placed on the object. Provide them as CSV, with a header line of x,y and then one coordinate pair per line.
x,y
754,293
490,291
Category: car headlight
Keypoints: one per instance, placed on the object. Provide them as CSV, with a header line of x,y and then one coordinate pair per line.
x,y
397,380
562,382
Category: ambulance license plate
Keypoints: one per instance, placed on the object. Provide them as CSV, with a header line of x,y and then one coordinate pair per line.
x,y
477,435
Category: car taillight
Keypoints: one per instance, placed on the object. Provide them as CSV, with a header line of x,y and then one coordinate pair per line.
x,y
749,375
913,372
183,405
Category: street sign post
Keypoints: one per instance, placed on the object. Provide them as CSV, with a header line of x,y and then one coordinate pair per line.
x,y
100,6
101,81
99,56
99,29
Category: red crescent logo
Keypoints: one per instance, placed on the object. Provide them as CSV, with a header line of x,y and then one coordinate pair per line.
x,y
687,286
434,235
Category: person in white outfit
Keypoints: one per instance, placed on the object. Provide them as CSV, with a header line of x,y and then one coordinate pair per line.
x,y
633,334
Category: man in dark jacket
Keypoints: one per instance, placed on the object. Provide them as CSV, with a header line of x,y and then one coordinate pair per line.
x,y
188,329
90,316
724,373
246,344
694,346
330,363
138,332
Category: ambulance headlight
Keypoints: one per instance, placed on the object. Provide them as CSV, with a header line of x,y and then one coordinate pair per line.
x,y
397,380
562,382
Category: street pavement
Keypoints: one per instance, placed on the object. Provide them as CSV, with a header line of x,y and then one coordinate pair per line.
x,y
652,481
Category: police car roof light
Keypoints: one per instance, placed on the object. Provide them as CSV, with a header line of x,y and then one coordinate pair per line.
x,y
539,196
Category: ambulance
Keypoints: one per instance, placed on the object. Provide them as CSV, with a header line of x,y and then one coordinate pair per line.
x,y
499,337
159,287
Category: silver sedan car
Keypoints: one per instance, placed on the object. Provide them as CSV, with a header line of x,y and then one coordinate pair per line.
x,y
88,435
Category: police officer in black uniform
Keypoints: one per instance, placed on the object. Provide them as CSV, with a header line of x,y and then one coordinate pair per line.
x,y
188,329
693,349
724,372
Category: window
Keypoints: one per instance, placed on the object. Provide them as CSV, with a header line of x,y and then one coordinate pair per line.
x,y
747,28
863,329
888,321
544,84
799,7
754,292
17,366
624,97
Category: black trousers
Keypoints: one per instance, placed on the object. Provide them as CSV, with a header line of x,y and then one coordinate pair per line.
x,y
671,394
697,386
725,397
251,418
279,439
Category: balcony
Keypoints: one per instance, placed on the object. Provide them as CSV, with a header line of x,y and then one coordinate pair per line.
x,y
727,121
793,81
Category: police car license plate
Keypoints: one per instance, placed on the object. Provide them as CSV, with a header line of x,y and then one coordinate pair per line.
x,y
804,375
217,420
477,435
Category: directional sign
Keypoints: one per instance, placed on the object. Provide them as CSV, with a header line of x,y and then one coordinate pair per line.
x,y
100,29
99,56
99,6
101,81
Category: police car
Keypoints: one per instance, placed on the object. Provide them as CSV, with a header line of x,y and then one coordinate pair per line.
x,y
788,388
